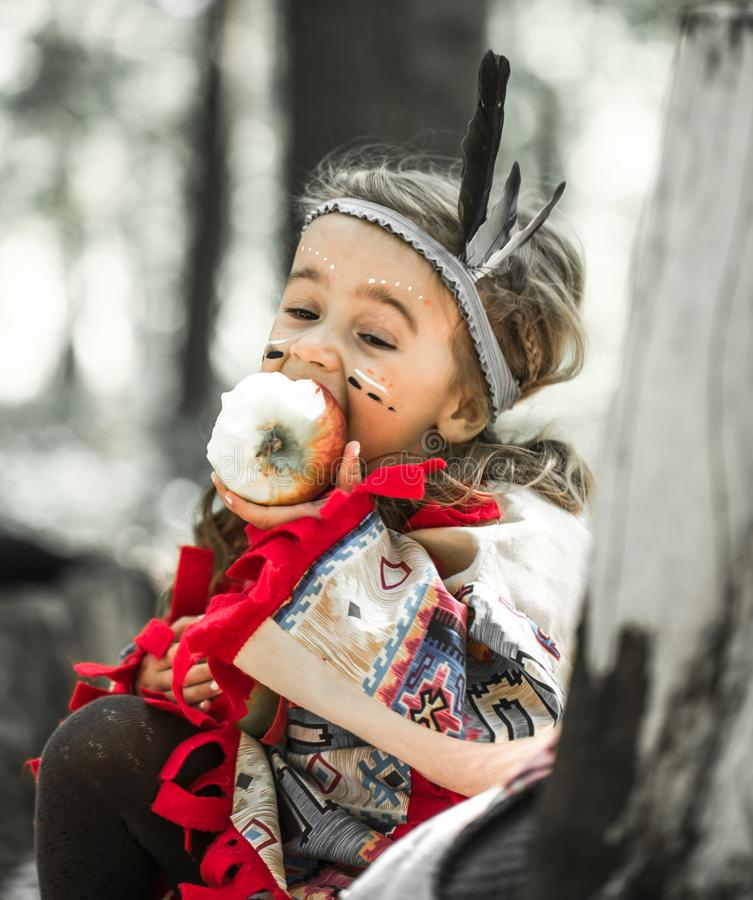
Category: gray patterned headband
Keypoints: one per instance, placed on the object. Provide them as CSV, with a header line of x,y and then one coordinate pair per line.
x,y
503,388
488,240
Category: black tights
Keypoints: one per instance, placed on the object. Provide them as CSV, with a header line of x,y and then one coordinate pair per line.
x,y
96,835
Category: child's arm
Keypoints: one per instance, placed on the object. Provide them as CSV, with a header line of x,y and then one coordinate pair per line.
x,y
276,659
156,673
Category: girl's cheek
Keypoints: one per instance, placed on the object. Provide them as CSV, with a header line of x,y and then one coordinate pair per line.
x,y
270,359
275,351
373,389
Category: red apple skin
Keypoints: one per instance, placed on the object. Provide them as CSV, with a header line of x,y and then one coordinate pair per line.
x,y
327,447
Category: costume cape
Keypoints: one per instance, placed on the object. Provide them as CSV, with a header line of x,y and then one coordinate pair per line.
x,y
443,624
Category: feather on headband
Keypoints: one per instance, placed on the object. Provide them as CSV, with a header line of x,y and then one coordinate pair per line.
x,y
488,240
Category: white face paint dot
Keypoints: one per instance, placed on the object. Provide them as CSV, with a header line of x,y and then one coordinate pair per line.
x,y
383,281
420,296
324,258
372,280
316,253
332,265
410,287
397,284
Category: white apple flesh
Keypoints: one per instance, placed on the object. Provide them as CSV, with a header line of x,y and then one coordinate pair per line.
x,y
277,441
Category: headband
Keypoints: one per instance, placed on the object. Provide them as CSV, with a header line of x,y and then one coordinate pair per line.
x,y
488,240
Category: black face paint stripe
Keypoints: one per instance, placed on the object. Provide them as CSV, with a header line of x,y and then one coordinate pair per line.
x,y
275,354
355,384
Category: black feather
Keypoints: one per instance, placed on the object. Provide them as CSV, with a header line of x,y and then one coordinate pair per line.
x,y
525,234
481,144
495,232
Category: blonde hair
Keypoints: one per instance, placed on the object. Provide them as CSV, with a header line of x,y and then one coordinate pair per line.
x,y
533,308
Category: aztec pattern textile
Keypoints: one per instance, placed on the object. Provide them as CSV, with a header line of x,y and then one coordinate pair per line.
x,y
435,634
414,866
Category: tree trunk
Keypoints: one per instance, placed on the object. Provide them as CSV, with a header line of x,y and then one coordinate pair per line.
x,y
208,209
652,795
385,71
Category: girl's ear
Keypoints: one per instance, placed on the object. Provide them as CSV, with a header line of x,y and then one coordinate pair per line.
x,y
460,420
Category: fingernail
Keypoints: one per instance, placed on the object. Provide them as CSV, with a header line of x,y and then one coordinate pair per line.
x,y
228,500
214,686
357,450
204,704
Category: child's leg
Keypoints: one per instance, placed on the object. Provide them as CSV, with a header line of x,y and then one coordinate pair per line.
x,y
96,835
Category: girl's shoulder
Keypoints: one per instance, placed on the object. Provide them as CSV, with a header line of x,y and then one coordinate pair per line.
x,y
536,556
530,534
536,540
527,508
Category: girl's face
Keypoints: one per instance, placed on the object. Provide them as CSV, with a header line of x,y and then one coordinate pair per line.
x,y
369,318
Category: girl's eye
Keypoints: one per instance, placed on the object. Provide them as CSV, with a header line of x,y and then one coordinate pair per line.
x,y
307,316
299,310
378,341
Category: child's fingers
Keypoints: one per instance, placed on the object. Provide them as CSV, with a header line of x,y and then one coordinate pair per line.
x,y
159,681
271,516
348,476
165,663
198,674
534,753
555,736
219,485
349,470
263,516
180,625
196,693
198,677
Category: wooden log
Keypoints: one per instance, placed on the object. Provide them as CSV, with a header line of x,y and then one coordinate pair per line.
x,y
652,795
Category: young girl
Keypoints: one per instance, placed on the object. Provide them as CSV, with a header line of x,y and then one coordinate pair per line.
x,y
415,624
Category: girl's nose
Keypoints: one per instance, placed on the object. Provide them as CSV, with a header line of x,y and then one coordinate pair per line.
x,y
315,352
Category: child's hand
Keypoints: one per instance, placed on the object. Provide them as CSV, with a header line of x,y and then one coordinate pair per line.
x,y
156,673
348,476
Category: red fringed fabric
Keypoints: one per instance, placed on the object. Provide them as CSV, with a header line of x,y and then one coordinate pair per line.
x,y
155,637
277,558
192,579
84,693
432,515
230,850
187,807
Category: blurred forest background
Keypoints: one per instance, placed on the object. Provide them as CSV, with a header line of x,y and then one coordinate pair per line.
x,y
148,151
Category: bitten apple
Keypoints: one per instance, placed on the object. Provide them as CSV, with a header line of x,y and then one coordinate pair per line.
x,y
276,441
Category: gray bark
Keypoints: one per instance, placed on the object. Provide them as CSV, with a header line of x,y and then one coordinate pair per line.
x,y
652,795
208,206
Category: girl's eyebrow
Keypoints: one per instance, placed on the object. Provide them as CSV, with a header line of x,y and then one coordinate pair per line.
x,y
369,291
